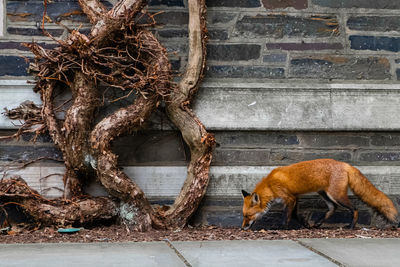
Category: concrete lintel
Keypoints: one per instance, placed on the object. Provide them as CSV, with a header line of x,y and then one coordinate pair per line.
x,y
166,181
289,105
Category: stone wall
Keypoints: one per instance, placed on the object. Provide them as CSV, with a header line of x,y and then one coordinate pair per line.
x,y
286,81
257,39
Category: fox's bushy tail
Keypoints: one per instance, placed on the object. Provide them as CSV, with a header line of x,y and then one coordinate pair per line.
x,y
368,193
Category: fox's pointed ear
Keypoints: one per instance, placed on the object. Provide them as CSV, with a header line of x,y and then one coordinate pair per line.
x,y
255,199
245,194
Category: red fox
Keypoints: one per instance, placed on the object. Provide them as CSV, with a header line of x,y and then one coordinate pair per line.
x,y
328,177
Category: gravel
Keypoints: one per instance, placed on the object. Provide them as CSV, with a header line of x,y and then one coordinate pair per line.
x,y
118,233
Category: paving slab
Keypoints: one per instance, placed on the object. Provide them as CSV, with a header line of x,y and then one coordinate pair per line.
x,y
249,253
359,252
92,254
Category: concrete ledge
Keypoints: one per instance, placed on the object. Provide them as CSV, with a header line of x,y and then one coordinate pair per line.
x,y
272,106
166,182
298,106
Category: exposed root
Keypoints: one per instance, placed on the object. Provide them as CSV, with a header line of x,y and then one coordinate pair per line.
x,y
123,55
56,212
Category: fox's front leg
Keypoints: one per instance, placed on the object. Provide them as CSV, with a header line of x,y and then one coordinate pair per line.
x,y
290,203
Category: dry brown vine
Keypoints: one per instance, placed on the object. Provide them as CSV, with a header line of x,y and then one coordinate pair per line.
x,y
122,54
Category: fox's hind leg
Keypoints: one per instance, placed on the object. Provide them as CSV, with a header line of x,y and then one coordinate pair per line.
x,y
345,202
332,206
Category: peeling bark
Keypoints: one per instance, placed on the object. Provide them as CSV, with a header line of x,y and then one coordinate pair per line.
x,y
56,212
193,131
78,121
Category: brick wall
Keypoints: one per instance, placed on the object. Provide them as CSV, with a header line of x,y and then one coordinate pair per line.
x,y
273,42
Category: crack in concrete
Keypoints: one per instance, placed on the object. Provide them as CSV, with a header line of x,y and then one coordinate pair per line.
x,y
180,256
319,253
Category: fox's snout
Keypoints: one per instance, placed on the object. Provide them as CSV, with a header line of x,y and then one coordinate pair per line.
x,y
246,224
251,209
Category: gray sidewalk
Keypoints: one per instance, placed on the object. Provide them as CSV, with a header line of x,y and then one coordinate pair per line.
x,y
302,252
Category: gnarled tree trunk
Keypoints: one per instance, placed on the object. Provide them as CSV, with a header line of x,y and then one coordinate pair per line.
x,y
122,55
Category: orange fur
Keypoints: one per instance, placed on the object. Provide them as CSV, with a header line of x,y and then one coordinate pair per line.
x,y
328,177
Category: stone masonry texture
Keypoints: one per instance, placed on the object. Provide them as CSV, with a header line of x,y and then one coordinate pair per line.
x,y
245,33
264,41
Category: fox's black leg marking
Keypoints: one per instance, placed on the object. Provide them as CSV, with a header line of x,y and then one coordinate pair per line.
x,y
345,202
332,206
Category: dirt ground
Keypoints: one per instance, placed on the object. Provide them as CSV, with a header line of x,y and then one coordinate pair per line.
x,y
118,233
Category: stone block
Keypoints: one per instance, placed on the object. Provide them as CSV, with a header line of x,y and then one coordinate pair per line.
x,y
233,3
383,4
233,52
229,71
324,139
258,139
231,202
224,218
275,58
283,157
375,156
13,66
173,33
279,26
28,153
25,139
375,43
238,157
374,23
390,139
177,3
218,34
273,4
155,148
340,67
172,18
34,31
56,11
216,17
304,46
19,46
177,47
213,34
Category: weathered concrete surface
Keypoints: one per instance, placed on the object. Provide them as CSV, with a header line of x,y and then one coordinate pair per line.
x,y
93,254
298,106
166,181
274,106
359,252
249,253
